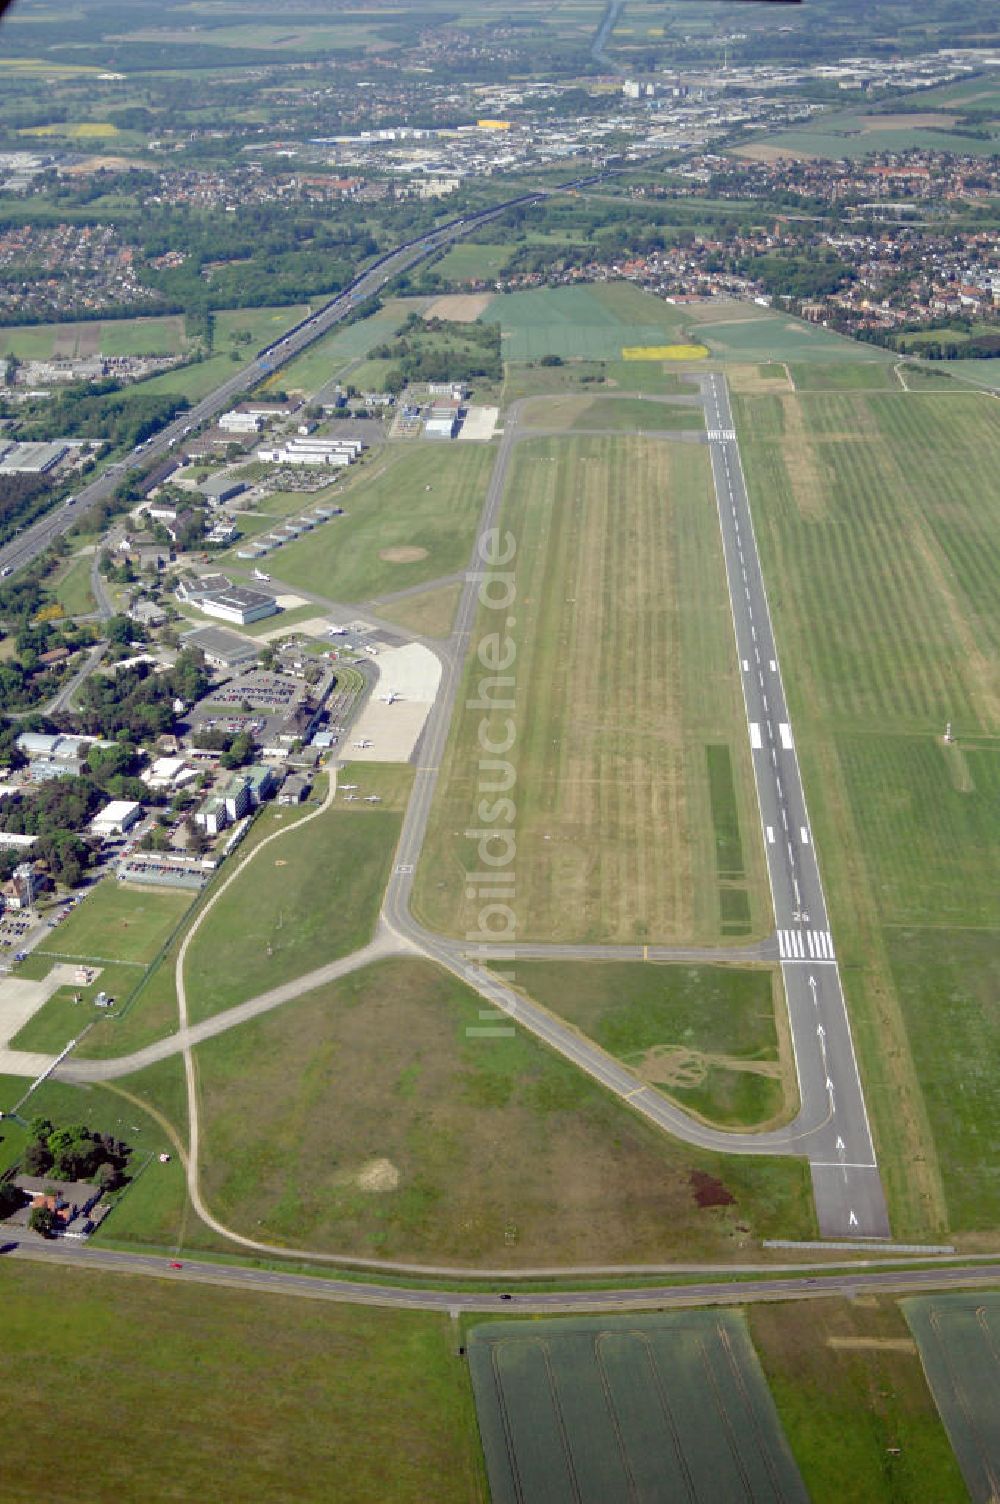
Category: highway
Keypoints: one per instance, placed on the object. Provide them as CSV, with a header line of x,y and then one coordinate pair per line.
x,y
503,1300
34,539
832,1125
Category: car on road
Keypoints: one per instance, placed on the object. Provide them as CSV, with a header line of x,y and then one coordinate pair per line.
x,y
5,571
175,1265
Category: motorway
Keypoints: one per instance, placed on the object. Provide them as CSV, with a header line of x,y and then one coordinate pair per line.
x,y
528,1302
36,538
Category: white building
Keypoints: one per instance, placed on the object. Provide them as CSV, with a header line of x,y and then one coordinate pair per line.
x,y
237,422
239,604
116,818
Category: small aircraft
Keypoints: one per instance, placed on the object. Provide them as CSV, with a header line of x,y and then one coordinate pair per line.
x,y
346,786
361,745
259,574
373,798
390,698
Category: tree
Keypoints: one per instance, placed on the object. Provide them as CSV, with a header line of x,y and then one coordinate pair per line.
x,y
42,1221
12,1198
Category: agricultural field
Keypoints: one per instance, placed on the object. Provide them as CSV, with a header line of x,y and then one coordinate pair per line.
x,y
855,134
327,880
781,337
646,1406
707,1036
959,1340
847,376
617,826
876,526
281,1387
426,498
595,322
385,1125
142,336
853,1400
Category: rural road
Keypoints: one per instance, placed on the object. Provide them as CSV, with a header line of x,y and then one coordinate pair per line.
x,y
540,1302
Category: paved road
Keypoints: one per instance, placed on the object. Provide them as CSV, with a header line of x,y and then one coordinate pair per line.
x,y
653,1297
833,1123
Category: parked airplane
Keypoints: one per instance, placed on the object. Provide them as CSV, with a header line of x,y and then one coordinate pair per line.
x,y
363,744
391,697
259,574
346,786
373,798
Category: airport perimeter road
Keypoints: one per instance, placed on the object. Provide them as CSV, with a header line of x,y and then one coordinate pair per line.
x,y
833,1126
650,1297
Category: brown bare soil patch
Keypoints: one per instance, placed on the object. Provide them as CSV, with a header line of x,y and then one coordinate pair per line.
x,y
378,1176
762,153
402,554
875,1344
459,307
804,473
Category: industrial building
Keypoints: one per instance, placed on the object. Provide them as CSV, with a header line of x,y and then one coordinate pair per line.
x,y
116,818
313,451
240,604
238,422
220,488
31,459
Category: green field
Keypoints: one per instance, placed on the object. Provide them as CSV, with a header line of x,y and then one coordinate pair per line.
x,y
635,1407
704,1035
262,324
625,672
593,322
876,523
780,337
283,1389
425,497
860,375
142,336
429,613
855,133
385,1125
118,923
632,414
959,1339
307,899
71,586
469,262
854,1402
329,356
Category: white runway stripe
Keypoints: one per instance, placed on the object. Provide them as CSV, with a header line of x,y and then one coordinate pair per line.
x,y
811,943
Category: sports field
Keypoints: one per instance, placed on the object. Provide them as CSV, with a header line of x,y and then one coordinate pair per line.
x,y
425,498
625,675
876,520
611,1409
595,322
281,1388
851,1394
959,1340
704,1035
118,923
385,1124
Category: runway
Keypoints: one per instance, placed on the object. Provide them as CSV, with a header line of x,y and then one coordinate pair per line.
x,y
832,1126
